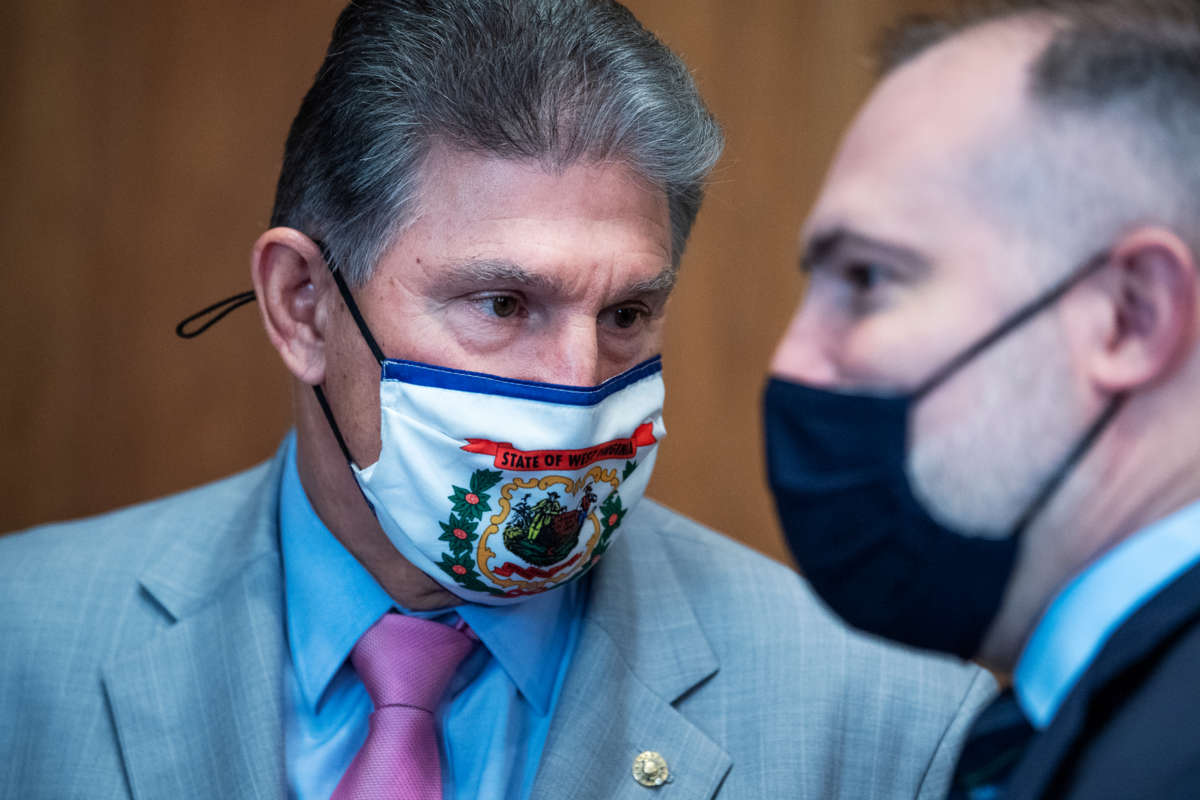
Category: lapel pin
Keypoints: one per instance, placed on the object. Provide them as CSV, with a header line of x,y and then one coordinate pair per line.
x,y
650,769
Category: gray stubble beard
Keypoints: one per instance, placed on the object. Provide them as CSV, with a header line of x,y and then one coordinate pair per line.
x,y
1017,418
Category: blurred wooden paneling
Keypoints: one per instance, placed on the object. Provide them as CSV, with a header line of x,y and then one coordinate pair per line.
x,y
140,145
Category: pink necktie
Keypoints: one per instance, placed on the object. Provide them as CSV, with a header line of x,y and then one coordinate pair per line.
x,y
405,664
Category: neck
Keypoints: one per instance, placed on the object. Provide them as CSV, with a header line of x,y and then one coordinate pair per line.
x,y
1143,469
335,496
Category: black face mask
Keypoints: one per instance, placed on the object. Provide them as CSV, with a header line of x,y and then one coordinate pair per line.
x,y
837,468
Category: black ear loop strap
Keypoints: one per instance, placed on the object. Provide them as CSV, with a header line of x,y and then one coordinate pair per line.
x,y
344,290
222,308
1017,319
337,434
218,309
1074,457
1094,430
348,299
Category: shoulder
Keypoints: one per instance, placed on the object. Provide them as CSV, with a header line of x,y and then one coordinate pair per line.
x,y
792,675
76,601
735,592
120,542
1142,710
79,584
739,593
76,587
731,572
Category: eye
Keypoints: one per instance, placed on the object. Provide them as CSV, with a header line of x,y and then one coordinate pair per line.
x,y
627,316
863,276
498,307
504,305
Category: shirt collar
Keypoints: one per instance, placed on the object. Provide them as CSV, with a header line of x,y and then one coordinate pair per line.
x,y
1095,603
331,600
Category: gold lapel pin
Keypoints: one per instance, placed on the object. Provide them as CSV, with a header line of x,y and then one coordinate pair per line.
x,y
650,769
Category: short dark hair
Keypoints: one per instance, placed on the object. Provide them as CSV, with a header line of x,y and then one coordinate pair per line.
x,y
1101,49
1127,72
555,81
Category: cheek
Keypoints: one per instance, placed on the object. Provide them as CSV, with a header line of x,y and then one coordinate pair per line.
x,y
641,342
916,334
883,352
468,329
352,389
943,408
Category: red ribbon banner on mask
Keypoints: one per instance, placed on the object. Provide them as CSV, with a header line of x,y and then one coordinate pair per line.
x,y
514,460
508,569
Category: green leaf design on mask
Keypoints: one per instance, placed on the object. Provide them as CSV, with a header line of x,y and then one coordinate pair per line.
x,y
484,479
460,568
460,534
461,530
470,504
611,514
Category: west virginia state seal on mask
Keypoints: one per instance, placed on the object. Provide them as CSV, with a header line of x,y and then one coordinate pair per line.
x,y
501,488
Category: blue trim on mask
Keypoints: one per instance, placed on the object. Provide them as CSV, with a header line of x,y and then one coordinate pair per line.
x,y
420,374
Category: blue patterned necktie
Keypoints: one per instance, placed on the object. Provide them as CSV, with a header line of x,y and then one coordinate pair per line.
x,y
995,744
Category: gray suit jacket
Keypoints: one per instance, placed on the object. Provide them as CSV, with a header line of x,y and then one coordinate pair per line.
x,y
141,654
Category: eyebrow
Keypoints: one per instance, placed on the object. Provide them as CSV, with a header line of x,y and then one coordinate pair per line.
x,y
484,270
824,246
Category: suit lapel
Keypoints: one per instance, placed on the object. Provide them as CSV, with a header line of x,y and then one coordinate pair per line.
x,y
641,648
1162,617
198,709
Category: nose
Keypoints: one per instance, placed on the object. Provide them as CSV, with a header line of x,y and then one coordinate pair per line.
x,y
804,353
569,355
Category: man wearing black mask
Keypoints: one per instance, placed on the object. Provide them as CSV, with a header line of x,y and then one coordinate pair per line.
x,y
981,432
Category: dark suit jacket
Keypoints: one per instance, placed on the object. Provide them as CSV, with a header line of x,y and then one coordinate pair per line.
x,y
1131,728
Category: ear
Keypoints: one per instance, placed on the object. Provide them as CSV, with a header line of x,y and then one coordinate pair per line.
x,y
289,278
1151,310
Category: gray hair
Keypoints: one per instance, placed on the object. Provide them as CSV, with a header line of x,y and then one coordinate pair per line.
x,y
556,81
1113,140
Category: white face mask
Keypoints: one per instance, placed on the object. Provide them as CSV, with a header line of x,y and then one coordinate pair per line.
x,y
497,488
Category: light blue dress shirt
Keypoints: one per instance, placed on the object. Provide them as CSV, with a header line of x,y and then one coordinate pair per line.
x,y
1092,606
493,726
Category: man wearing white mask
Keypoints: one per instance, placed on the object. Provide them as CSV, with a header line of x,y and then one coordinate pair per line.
x,y
982,428
447,584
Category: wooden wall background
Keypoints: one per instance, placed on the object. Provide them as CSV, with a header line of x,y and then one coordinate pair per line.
x,y
139,146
